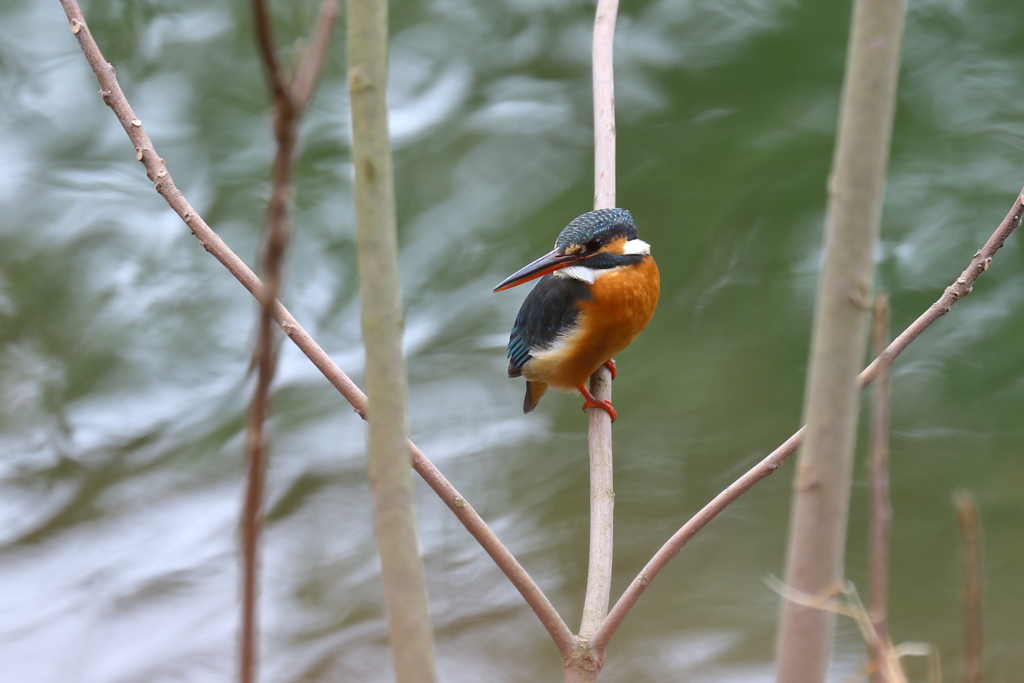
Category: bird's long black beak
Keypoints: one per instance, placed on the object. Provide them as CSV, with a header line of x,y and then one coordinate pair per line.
x,y
548,263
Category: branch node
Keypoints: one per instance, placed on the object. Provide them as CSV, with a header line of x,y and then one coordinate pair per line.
x,y
139,152
357,82
136,123
459,501
76,26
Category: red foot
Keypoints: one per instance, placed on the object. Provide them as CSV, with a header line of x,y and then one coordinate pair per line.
x,y
591,402
610,364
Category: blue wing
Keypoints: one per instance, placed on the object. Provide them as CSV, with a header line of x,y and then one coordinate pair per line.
x,y
550,308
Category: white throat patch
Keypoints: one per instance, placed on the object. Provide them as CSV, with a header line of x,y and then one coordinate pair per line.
x,y
582,273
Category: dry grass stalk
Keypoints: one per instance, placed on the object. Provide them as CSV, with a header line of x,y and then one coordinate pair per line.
x,y
969,522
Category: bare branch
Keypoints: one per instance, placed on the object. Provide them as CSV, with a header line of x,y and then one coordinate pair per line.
x,y
156,171
960,288
878,498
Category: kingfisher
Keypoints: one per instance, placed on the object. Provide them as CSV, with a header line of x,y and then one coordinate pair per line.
x,y
598,290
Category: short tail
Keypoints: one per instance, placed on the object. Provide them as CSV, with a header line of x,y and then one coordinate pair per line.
x,y
534,390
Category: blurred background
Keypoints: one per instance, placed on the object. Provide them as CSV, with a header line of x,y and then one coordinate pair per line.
x,y
125,347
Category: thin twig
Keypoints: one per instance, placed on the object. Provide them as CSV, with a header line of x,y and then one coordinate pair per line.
x,y
599,436
265,42
970,539
960,288
156,171
878,496
315,53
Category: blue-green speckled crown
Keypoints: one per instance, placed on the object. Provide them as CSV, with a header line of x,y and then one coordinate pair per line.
x,y
604,223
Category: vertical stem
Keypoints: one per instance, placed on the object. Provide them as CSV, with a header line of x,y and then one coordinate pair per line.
x,y
252,523
599,438
265,355
602,508
814,559
602,55
402,573
878,494
585,664
970,538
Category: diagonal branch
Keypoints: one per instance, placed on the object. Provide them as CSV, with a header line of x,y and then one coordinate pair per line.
x,y
156,171
960,288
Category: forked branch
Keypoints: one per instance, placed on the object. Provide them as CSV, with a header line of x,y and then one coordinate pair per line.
x,y
960,288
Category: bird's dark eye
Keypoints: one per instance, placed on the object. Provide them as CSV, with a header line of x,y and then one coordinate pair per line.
x,y
594,244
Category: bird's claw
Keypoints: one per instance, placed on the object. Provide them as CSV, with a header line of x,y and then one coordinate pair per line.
x,y
591,402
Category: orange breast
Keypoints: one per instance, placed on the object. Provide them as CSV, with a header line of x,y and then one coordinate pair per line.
x,y
623,302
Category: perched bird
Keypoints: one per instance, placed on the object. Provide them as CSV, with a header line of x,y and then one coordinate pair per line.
x,y
598,290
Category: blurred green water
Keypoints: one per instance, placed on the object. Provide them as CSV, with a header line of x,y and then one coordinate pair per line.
x,y
125,347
